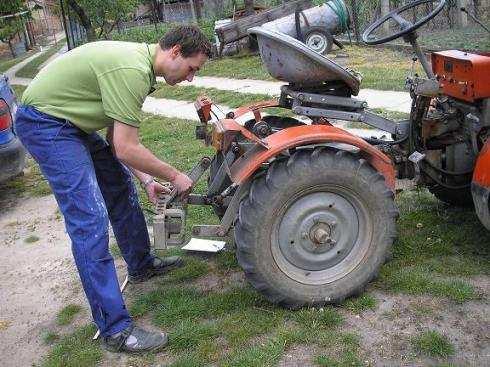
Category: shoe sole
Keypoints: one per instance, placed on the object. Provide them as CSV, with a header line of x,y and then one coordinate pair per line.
x,y
123,350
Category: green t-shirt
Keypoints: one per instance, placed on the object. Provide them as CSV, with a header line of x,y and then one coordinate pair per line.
x,y
94,84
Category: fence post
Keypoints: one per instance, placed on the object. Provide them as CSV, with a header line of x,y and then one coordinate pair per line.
x,y
355,19
385,9
193,11
461,17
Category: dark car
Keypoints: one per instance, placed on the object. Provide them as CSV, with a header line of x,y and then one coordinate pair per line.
x,y
12,153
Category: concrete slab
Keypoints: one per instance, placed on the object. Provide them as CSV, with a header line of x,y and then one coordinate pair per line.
x,y
185,110
10,73
389,100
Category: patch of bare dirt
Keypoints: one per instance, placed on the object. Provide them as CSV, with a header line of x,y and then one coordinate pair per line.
x,y
297,356
386,332
38,278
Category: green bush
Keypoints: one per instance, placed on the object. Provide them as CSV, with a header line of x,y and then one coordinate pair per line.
x,y
152,33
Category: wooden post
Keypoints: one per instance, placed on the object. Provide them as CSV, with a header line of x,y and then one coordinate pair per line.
x,y
193,11
461,17
249,7
385,9
355,19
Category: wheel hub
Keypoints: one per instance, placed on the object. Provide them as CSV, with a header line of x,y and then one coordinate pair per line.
x,y
318,231
316,42
318,236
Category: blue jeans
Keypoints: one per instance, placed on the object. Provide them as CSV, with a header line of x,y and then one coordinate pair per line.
x,y
91,187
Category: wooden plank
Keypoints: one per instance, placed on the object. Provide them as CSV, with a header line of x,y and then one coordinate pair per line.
x,y
238,29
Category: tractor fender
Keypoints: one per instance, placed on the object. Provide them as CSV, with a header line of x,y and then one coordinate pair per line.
x,y
480,186
297,136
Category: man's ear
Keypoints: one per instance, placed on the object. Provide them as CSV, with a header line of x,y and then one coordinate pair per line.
x,y
175,51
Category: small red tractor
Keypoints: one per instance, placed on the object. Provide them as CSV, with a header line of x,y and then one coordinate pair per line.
x,y
311,205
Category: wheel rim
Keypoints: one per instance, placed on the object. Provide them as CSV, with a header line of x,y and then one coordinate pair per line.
x,y
317,42
320,235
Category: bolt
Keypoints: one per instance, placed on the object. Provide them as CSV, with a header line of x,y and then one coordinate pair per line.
x,y
321,236
304,235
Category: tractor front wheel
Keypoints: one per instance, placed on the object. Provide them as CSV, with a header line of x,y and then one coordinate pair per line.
x,y
315,228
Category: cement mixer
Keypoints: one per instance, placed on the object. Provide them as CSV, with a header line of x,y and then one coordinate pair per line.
x,y
315,26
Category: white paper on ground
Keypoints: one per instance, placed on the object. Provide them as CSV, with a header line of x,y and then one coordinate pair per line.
x,y
199,244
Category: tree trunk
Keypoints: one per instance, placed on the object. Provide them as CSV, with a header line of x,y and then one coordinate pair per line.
x,y
193,11
11,48
355,19
198,9
249,7
30,33
385,9
84,20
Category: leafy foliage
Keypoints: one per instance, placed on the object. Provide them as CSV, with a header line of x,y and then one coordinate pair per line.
x,y
99,17
9,27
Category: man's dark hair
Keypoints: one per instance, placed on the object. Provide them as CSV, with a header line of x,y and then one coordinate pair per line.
x,y
190,38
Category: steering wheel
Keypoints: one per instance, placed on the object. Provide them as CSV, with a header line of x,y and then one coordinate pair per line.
x,y
406,27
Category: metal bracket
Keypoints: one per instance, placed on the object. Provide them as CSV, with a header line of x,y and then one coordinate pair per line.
x,y
342,108
416,158
169,222
229,217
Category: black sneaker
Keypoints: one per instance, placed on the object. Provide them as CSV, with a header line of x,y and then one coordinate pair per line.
x,y
160,266
135,340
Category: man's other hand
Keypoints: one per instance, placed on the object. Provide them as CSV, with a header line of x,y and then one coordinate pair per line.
x,y
153,189
183,184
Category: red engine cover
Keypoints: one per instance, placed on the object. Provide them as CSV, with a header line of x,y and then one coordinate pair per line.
x,y
462,75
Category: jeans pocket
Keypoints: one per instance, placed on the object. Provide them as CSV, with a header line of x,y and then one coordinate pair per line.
x,y
70,149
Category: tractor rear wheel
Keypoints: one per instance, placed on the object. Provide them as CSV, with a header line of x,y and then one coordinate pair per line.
x,y
315,228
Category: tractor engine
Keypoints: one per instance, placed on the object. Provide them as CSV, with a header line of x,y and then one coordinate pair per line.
x,y
451,128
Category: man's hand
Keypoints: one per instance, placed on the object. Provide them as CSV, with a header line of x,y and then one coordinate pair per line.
x,y
153,189
183,184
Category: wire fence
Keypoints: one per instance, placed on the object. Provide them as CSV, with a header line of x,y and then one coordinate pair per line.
x,y
364,12
149,25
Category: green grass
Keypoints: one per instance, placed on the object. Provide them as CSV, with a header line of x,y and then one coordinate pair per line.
x,y
32,239
433,344
381,68
342,350
7,64
75,350
227,261
437,247
192,269
236,67
469,38
346,359
253,330
241,326
360,304
49,337
31,69
264,354
67,314
32,183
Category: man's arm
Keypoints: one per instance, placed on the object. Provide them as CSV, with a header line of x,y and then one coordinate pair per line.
x,y
128,149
